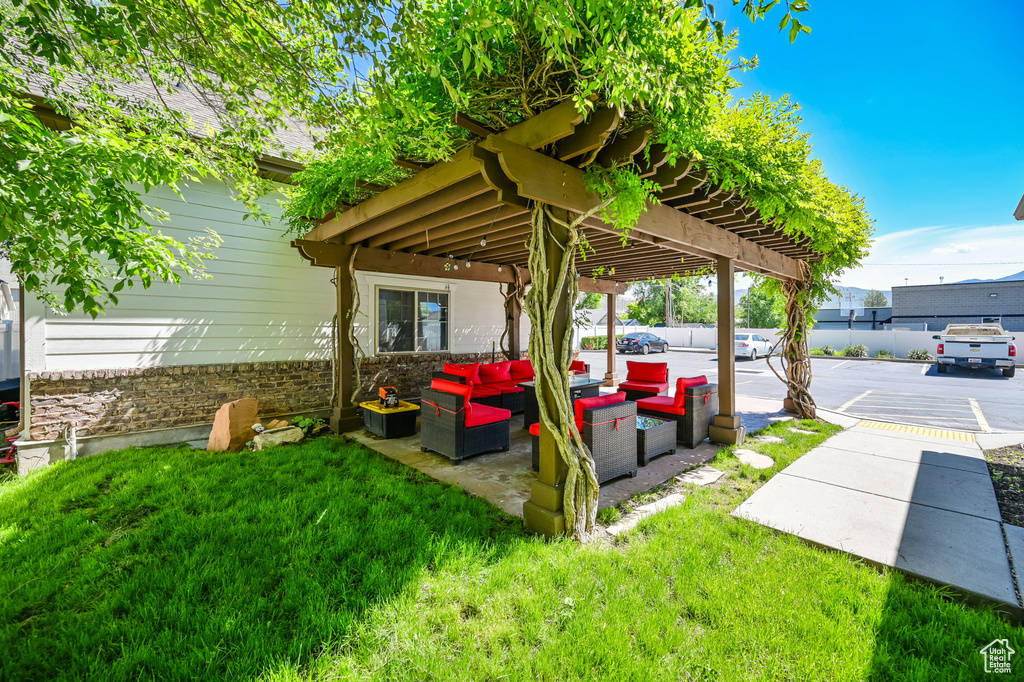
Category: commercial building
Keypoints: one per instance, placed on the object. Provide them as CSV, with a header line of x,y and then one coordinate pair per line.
x,y
938,305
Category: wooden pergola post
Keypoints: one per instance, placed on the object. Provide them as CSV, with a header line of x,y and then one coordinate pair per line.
x,y
727,427
544,512
610,377
344,417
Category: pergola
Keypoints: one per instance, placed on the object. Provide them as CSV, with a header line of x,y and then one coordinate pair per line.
x,y
487,190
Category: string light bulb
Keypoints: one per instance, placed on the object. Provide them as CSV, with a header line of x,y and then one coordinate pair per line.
x,y
483,242
468,264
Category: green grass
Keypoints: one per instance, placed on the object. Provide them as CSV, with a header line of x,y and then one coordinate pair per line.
x,y
326,561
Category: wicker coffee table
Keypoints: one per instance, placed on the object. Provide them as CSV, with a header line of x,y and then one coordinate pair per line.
x,y
654,437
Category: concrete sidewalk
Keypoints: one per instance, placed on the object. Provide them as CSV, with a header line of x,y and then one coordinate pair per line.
x,y
919,500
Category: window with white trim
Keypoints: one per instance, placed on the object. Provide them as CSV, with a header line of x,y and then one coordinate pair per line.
x,y
411,321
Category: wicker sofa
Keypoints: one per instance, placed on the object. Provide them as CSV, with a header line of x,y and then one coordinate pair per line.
x,y
692,408
645,379
453,426
493,383
608,426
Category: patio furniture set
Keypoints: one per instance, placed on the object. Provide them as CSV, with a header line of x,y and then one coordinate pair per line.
x,y
467,408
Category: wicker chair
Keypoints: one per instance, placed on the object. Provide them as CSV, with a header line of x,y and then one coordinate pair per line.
x,y
608,429
692,408
644,379
452,426
504,394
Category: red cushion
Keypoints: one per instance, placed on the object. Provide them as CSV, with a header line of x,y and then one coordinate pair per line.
x,y
682,383
578,366
647,371
484,391
495,372
648,386
535,429
507,390
660,403
596,401
458,389
485,414
522,370
470,371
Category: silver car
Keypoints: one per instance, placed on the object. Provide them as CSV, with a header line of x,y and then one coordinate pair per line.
x,y
752,346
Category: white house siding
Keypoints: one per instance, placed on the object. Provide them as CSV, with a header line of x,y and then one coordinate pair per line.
x,y
260,324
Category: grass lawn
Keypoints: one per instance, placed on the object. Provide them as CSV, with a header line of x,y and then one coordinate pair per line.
x,y
328,561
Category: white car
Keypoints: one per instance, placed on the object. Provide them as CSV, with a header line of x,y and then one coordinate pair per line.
x,y
752,346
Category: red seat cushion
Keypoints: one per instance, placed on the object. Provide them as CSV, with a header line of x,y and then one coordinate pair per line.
x,y
682,383
648,386
485,414
521,370
495,372
535,429
660,403
506,390
485,391
458,389
647,371
578,366
596,401
470,371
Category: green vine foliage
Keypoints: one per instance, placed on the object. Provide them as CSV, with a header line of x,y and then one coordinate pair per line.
x,y
624,196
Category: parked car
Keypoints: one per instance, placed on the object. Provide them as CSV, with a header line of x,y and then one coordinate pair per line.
x,y
977,346
640,342
752,345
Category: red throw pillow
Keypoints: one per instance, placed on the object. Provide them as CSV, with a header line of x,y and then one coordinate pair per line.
x,y
465,390
470,371
495,372
597,401
578,366
521,370
647,371
682,383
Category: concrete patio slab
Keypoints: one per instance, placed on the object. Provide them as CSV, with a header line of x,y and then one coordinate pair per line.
x,y
941,487
955,549
919,503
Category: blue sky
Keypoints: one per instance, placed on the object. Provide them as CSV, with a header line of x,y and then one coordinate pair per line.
x,y
919,108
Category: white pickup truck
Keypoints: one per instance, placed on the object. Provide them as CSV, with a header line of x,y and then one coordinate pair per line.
x,y
975,346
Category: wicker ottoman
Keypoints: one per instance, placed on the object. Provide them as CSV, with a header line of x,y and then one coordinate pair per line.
x,y
654,437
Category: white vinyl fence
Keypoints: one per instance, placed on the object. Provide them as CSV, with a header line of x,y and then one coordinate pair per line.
x,y
897,342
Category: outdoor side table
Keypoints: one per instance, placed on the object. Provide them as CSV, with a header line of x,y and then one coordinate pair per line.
x,y
390,422
653,437
579,387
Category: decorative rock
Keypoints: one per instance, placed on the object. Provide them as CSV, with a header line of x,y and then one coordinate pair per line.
x,y
274,437
796,430
232,427
754,459
642,512
701,476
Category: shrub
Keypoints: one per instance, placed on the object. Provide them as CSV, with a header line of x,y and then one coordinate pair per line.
x,y
827,350
608,516
814,351
884,354
857,350
594,342
919,354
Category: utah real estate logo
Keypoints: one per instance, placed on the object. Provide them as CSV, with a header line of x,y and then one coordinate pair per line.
x,y
997,654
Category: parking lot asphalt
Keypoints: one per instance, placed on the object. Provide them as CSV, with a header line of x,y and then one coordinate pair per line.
x,y
909,393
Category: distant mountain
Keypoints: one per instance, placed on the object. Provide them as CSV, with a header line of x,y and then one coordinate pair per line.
x,y
1016,277
856,294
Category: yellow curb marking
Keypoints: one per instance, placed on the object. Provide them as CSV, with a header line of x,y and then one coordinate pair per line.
x,y
920,431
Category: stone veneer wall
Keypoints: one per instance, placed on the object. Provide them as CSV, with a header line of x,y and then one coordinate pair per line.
x,y
111,401
410,374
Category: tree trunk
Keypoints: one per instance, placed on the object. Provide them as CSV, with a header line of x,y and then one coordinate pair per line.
x,y
668,304
795,358
553,291
513,294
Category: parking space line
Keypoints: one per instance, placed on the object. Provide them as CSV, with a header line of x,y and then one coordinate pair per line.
x,y
982,422
844,362
851,402
925,368
963,409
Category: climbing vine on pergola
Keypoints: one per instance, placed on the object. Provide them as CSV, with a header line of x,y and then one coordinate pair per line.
x,y
656,77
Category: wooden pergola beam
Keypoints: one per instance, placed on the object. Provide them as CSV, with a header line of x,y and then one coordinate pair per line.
x,y
547,180
478,223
